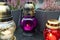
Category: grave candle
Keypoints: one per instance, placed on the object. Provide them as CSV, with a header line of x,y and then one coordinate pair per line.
x,y
7,25
28,22
52,30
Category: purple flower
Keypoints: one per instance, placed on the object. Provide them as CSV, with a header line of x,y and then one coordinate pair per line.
x,y
19,3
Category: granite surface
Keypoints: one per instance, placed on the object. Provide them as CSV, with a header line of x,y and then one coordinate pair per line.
x,y
19,35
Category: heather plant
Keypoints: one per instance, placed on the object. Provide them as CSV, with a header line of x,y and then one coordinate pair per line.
x,y
17,4
51,4
14,4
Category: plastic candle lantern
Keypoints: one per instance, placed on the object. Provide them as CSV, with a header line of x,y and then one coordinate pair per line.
x,y
7,25
28,22
52,30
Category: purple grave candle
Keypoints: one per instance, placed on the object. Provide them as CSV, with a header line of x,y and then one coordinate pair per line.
x,y
28,22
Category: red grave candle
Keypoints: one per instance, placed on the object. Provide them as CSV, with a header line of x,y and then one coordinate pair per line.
x,y
52,30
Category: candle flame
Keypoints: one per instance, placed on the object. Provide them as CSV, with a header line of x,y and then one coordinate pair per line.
x,y
50,35
27,25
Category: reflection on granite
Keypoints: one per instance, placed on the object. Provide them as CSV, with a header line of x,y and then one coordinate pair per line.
x,y
19,35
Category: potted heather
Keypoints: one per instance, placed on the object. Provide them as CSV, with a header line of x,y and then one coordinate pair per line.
x,y
14,4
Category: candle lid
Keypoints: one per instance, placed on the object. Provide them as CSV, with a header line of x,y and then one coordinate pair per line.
x,y
2,3
4,10
29,9
53,24
31,5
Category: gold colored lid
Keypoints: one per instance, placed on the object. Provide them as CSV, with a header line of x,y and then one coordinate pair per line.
x,y
29,9
2,3
53,24
29,5
4,10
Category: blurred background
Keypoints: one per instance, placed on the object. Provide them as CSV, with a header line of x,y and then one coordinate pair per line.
x,y
43,4
41,15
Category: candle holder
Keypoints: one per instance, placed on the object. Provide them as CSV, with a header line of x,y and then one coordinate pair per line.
x,y
28,22
7,25
52,30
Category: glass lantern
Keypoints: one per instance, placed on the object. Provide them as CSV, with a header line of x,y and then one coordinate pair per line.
x,y
7,25
28,22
